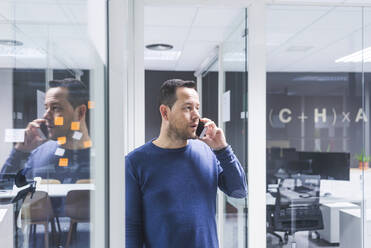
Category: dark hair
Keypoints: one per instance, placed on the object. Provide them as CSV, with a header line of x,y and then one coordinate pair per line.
x,y
78,94
168,90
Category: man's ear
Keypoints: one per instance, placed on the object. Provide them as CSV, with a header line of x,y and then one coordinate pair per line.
x,y
81,111
164,111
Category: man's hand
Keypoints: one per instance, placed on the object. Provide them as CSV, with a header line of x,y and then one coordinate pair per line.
x,y
214,136
32,138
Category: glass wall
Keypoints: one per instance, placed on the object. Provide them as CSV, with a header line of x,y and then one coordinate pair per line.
x,y
52,148
317,126
234,121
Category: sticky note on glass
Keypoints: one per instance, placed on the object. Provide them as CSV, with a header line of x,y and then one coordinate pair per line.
x,y
91,104
14,135
62,140
59,152
87,144
75,125
77,135
63,162
58,121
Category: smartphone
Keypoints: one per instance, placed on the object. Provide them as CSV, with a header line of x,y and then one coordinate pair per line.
x,y
201,129
43,131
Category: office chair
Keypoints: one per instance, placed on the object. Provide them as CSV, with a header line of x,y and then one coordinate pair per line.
x,y
296,207
77,208
39,210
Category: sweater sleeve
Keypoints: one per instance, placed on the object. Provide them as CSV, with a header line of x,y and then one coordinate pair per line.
x,y
133,215
232,178
15,161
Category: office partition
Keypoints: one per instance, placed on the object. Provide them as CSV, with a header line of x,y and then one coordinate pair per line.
x,y
53,66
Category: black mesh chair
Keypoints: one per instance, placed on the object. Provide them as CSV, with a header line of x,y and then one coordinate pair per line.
x,y
296,207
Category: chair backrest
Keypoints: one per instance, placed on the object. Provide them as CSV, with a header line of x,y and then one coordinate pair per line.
x,y
37,208
82,181
50,181
297,204
77,204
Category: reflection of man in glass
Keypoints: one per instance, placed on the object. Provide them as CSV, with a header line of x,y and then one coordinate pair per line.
x,y
65,153
172,181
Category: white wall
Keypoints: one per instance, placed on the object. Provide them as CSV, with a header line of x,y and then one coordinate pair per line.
x,y
6,111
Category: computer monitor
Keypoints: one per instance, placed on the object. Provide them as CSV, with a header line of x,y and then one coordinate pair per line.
x,y
329,165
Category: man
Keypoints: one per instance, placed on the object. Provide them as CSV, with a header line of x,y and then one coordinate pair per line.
x,y
171,182
65,153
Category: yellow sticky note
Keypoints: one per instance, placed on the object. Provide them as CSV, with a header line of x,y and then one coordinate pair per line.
x,y
87,144
75,125
91,104
58,121
62,140
63,162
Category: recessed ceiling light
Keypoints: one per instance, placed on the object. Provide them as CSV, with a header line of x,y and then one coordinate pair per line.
x,y
159,47
11,43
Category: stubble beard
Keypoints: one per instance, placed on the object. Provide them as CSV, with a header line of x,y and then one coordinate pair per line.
x,y
178,133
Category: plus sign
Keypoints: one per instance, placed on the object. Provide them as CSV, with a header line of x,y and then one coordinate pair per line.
x,y
302,117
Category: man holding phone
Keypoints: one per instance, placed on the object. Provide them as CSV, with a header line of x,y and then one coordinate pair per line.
x,y
172,181
57,146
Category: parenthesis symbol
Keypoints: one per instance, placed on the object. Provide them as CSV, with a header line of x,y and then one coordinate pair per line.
x,y
270,117
333,110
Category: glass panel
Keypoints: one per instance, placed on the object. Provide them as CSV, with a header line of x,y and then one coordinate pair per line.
x,y
53,80
234,63
367,128
315,119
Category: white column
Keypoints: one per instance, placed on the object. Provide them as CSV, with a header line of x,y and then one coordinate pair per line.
x,y
256,125
139,85
135,87
119,22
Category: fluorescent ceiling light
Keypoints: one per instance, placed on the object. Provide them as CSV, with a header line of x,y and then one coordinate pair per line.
x,y
161,55
234,57
356,57
15,51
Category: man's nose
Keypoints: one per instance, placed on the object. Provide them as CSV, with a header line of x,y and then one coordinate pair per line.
x,y
196,114
46,114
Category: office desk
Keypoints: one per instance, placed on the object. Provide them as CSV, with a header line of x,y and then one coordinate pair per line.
x,y
330,214
54,190
351,228
6,225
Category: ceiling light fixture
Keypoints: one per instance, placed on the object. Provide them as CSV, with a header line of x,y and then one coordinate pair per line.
x,y
11,43
159,47
360,56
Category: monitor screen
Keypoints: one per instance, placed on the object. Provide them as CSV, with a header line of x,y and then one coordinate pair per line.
x,y
329,165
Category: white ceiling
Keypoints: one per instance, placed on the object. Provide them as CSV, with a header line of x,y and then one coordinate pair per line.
x,y
193,31
46,27
299,38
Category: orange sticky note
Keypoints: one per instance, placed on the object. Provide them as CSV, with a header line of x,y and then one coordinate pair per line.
x,y
87,144
62,140
91,104
63,162
58,121
75,125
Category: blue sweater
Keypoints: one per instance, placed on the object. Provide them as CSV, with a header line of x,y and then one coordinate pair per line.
x,y
44,163
171,194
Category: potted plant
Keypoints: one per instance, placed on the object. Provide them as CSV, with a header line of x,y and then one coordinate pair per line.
x,y
362,161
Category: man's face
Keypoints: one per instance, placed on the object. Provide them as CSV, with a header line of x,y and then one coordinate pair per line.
x,y
57,106
184,116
